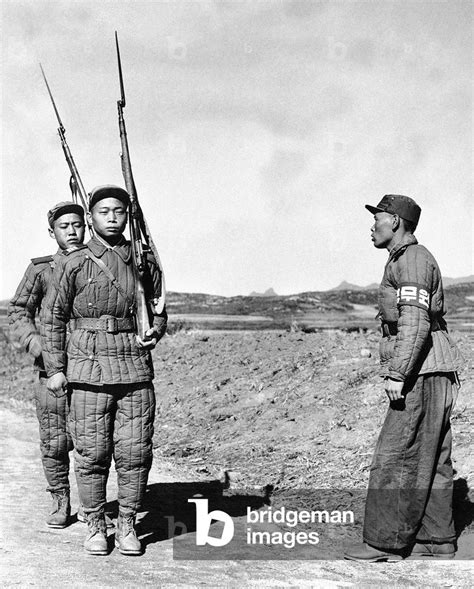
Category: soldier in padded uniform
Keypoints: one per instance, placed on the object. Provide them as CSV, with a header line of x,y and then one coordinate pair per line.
x,y
409,501
66,226
107,367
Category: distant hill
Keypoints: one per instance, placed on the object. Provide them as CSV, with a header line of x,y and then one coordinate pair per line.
x,y
457,296
348,286
268,293
446,282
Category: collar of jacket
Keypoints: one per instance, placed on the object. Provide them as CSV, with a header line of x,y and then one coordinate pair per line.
x,y
69,250
57,255
122,249
402,245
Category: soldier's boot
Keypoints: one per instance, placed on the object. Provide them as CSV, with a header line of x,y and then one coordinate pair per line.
x,y
96,540
442,550
126,536
59,517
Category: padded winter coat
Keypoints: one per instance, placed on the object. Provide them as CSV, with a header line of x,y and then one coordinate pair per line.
x,y
80,289
411,305
27,301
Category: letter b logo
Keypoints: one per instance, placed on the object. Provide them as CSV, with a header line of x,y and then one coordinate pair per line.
x,y
203,524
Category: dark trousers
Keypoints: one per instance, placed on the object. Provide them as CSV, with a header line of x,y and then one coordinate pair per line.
x,y
411,477
55,440
116,421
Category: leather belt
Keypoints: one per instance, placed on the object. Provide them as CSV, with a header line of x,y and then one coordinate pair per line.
x,y
108,324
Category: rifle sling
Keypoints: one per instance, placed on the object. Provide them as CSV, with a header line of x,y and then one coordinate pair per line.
x,y
106,270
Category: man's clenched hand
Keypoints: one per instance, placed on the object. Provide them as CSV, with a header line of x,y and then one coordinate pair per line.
x,y
57,384
393,388
150,340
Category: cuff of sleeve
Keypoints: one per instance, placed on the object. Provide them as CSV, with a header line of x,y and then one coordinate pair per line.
x,y
393,375
53,372
160,321
54,363
160,327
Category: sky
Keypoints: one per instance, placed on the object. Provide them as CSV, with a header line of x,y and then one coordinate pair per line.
x,y
257,131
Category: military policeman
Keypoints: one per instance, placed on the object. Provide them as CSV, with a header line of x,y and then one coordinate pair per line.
x,y
107,366
409,500
66,226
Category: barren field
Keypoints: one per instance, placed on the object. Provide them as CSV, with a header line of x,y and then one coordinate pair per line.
x,y
288,409
277,418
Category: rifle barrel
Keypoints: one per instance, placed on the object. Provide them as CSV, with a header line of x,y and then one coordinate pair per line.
x,y
137,227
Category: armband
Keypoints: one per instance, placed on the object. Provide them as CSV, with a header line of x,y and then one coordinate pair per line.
x,y
413,294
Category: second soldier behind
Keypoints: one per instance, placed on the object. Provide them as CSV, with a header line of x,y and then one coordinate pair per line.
x,y
107,366
66,226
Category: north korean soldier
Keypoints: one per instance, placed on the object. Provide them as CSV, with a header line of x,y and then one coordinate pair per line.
x,y
107,367
66,226
409,501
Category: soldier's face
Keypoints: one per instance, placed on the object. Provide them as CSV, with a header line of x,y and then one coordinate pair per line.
x,y
109,217
383,230
68,230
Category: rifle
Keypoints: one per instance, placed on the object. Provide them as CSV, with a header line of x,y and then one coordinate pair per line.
x,y
75,182
139,230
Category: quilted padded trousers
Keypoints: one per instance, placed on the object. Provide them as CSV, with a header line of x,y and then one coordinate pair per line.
x,y
112,420
411,478
55,440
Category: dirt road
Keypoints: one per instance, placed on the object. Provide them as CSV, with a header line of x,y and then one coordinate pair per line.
x,y
33,555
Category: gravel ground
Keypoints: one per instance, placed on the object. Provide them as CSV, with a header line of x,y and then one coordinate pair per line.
x,y
296,411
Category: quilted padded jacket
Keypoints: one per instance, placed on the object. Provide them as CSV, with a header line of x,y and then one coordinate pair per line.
x,y
411,304
27,301
81,289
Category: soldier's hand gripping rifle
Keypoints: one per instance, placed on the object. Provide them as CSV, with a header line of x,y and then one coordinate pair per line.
x,y
139,231
75,182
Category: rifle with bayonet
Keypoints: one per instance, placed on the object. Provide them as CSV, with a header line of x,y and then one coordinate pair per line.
x,y
139,231
75,182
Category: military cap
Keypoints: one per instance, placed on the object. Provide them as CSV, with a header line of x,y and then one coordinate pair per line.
x,y
108,191
62,208
397,204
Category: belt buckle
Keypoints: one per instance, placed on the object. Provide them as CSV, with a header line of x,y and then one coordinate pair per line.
x,y
112,325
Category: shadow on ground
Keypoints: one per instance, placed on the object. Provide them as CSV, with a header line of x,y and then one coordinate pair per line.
x,y
168,513
463,507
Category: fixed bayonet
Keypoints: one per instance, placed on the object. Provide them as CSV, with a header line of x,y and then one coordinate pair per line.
x,y
61,126
75,182
119,61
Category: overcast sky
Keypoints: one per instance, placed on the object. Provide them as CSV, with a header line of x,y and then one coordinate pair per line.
x,y
258,131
